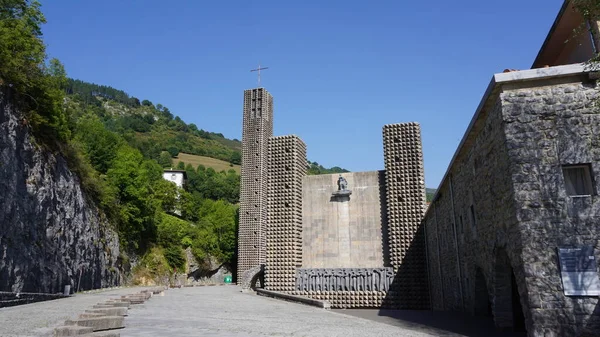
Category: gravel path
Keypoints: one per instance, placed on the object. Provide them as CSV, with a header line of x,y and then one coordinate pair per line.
x,y
40,319
225,311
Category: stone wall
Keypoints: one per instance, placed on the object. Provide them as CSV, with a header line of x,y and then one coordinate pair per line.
x,y
343,232
286,169
257,129
470,219
547,125
502,210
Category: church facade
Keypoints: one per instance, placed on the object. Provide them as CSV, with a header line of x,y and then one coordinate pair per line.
x,y
352,239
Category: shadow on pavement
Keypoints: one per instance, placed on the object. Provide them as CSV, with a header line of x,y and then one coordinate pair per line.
x,y
437,323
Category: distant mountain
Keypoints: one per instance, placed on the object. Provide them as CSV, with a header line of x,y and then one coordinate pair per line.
x,y
149,127
152,128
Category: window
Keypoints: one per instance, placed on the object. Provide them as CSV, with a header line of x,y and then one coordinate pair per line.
x,y
578,179
173,176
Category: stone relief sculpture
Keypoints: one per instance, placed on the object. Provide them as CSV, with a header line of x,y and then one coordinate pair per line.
x,y
344,279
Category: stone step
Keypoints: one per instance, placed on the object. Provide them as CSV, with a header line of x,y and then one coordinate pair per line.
x,y
118,311
99,323
156,290
89,315
144,296
71,330
103,334
107,306
115,304
136,300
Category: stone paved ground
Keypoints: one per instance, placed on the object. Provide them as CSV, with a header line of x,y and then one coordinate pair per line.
x,y
225,311
435,322
40,319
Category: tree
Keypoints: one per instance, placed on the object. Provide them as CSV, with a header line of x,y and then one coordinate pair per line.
x,y
34,86
173,151
165,160
590,11
146,103
236,158
100,145
134,179
22,52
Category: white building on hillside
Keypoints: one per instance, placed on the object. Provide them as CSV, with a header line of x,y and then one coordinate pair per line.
x,y
176,176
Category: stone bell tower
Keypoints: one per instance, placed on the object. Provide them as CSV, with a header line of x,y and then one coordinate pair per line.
x,y
257,129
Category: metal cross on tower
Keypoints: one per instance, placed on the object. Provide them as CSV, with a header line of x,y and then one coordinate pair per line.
x,y
258,70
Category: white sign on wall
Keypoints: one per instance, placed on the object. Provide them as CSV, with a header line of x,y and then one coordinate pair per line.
x,y
579,271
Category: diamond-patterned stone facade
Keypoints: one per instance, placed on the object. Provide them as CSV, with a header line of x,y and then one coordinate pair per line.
x,y
257,129
270,228
405,199
287,165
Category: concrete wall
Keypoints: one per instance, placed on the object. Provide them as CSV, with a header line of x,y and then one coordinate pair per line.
x,y
343,234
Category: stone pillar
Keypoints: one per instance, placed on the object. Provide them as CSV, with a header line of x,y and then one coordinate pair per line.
x,y
257,129
287,165
405,186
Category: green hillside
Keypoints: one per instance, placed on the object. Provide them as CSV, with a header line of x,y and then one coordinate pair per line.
x,y
149,127
216,164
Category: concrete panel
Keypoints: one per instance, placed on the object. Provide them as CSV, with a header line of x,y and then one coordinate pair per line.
x,y
343,233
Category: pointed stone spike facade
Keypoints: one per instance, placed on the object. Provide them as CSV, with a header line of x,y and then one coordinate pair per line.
x,y
287,165
380,256
405,188
257,129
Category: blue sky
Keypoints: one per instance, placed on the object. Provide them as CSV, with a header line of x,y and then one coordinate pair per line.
x,y
338,70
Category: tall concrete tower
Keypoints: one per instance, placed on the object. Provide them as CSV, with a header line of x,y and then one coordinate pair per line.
x,y
257,129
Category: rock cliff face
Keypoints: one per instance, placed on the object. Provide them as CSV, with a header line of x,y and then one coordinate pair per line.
x,y
51,235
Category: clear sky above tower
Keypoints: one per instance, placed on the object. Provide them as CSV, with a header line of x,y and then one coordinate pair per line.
x,y
338,70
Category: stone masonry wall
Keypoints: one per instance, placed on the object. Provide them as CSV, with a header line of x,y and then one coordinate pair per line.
x,y
471,221
286,169
502,210
547,125
257,129
405,200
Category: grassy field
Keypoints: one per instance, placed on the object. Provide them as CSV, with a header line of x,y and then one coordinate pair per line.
x,y
217,164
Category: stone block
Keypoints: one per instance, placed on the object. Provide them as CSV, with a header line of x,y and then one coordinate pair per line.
x,y
103,334
91,314
63,331
99,323
119,311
